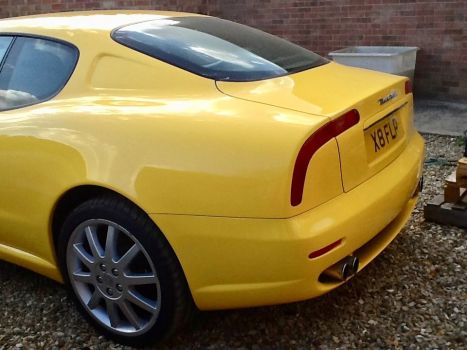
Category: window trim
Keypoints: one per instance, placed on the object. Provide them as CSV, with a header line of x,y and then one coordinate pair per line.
x,y
16,35
7,52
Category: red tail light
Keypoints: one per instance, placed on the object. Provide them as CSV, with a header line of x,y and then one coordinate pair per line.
x,y
408,87
312,144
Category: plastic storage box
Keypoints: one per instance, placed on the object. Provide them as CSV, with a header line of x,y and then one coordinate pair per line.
x,y
398,60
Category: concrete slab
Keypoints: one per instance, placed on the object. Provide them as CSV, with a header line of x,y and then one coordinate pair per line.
x,y
439,117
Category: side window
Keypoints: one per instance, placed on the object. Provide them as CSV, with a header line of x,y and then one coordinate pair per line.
x,y
35,70
5,42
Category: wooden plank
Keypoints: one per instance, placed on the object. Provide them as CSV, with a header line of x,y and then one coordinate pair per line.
x,y
452,208
445,214
461,173
451,193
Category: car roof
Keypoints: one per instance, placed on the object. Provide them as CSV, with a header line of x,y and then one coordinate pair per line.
x,y
62,22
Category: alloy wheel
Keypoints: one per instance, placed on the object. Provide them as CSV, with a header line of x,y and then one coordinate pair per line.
x,y
113,277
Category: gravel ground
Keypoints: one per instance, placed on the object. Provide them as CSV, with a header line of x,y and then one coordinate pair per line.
x,y
413,296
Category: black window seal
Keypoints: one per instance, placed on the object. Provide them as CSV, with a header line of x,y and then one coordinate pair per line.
x,y
2,62
47,38
192,71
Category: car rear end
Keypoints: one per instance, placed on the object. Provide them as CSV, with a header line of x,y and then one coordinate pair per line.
x,y
264,261
363,145
303,256
381,159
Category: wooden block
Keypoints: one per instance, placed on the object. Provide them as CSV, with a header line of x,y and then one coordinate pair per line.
x,y
445,214
451,193
458,178
459,206
461,173
462,166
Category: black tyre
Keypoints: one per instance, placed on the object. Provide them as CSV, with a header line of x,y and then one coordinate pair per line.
x,y
123,274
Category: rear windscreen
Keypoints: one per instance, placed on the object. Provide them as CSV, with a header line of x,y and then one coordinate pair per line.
x,y
217,49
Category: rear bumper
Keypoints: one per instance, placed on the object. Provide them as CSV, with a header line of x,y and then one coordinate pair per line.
x,y
241,262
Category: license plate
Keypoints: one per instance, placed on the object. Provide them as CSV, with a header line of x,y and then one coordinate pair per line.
x,y
382,136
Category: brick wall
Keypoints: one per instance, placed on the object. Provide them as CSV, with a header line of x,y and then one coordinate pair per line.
x,y
11,8
439,28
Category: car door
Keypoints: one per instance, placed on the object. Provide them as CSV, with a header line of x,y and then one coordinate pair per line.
x,y
33,70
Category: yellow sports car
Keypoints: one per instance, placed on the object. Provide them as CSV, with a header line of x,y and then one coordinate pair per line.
x,y
156,162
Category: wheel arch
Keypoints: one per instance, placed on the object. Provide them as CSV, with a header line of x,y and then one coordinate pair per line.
x,y
75,196
71,199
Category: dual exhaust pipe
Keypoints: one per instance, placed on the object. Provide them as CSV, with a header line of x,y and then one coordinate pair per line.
x,y
343,269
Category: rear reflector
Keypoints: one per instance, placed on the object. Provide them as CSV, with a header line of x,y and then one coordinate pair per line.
x,y
324,250
408,87
312,144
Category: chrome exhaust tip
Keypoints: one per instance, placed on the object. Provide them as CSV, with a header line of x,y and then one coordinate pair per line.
x,y
354,264
344,269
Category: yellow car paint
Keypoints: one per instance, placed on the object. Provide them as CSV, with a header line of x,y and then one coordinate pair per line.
x,y
215,251
325,91
210,164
